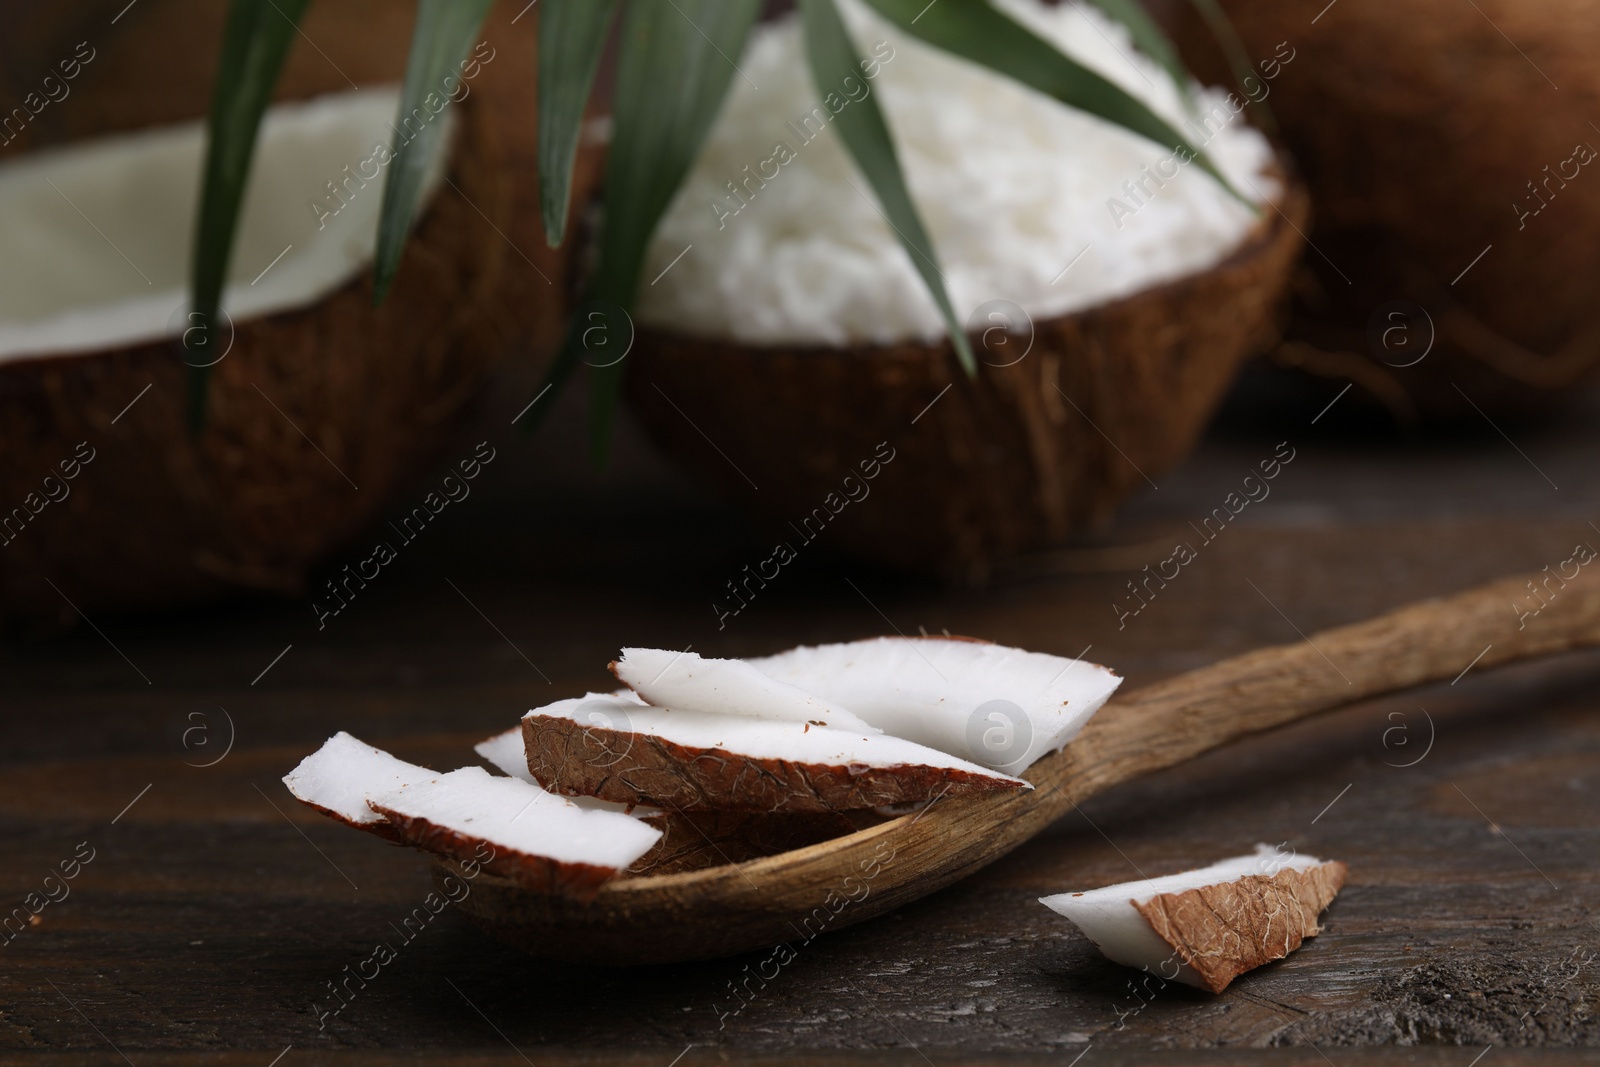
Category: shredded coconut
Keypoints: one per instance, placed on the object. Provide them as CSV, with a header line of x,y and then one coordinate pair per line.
x,y
1011,185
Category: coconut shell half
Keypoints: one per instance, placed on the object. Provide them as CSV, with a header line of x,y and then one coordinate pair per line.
x,y
892,453
314,416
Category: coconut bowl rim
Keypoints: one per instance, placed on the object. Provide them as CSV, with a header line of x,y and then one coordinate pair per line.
x,y
1292,209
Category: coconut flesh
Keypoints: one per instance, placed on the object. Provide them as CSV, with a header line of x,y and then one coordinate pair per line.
x,y
531,834
998,706
786,243
100,233
337,778
727,686
509,825
1205,927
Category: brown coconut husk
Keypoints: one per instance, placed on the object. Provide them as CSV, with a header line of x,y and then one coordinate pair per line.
x,y
1224,930
1013,460
581,759
1417,128
163,517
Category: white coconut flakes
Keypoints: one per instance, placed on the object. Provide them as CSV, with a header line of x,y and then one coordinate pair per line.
x,y
1013,187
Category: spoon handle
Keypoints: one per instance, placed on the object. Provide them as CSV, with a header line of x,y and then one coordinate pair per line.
x,y
1175,720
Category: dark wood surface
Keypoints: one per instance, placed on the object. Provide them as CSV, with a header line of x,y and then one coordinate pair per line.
x,y
215,911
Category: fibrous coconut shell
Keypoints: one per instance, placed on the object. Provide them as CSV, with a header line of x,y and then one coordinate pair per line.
x,y
982,468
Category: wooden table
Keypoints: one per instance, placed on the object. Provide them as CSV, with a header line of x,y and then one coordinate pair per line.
x,y
215,912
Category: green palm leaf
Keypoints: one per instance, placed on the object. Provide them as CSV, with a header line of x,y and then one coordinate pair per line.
x,y
572,34
1148,38
983,34
673,69
444,32
254,44
860,123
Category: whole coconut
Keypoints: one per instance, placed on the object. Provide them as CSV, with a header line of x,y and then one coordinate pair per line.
x,y
1433,133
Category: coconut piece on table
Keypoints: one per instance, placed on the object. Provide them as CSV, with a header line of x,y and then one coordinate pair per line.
x,y
515,829
690,682
694,760
337,778
1206,927
998,706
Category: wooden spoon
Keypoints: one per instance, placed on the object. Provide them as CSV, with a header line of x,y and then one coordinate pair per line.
x,y
795,895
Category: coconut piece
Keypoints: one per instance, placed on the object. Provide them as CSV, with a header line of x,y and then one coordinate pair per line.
x,y
997,706
692,841
536,838
1208,926
690,682
689,760
1146,372
337,778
